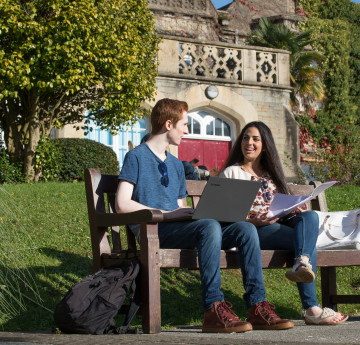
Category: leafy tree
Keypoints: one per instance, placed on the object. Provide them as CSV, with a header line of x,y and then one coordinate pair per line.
x,y
304,72
59,58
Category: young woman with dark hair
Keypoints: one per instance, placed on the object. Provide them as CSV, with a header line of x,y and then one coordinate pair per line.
x,y
254,157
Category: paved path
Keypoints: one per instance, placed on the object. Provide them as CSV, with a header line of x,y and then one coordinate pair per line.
x,y
348,333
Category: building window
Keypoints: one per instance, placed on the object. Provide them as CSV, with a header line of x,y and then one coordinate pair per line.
x,y
203,125
129,136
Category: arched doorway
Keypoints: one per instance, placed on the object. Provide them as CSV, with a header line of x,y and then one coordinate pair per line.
x,y
209,140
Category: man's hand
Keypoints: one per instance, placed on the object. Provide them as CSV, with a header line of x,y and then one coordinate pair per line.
x,y
180,212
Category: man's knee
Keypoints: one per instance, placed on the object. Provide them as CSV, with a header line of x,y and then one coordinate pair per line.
x,y
210,229
247,232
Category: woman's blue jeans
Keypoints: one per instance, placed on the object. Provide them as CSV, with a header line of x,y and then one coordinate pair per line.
x,y
299,234
209,237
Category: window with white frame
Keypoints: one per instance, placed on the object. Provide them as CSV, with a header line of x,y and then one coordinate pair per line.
x,y
120,142
203,125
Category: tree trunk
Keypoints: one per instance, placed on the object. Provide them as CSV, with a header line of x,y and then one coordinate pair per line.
x,y
14,142
22,136
29,152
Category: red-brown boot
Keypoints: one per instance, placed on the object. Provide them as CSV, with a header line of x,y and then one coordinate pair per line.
x,y
262,316
221,319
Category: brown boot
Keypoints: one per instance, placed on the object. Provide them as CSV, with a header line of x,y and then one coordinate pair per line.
x,y
262,316
221,319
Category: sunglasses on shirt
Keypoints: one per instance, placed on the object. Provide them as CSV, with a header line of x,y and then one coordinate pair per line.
x,y
164,173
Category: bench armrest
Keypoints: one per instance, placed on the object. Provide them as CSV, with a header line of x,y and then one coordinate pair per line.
x,y
137,217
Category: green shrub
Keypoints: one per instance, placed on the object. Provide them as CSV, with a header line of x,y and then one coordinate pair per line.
x,y
47,159
78,154
9,172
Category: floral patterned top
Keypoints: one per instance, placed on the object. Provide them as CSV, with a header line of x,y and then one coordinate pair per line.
x,y
265,194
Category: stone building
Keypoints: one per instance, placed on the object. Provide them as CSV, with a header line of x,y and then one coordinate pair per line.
x,y
203,60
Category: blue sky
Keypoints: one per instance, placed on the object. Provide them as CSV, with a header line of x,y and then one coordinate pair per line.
x,y
220,3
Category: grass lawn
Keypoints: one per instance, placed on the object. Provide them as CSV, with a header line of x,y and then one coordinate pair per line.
x,y
48,228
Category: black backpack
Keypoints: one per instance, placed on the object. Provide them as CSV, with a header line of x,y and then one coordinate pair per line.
x,y
90,306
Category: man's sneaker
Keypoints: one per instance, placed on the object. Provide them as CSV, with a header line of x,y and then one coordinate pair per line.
x,y
262,316
221,319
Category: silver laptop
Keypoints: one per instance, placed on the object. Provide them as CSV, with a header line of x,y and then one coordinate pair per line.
x,y
226,200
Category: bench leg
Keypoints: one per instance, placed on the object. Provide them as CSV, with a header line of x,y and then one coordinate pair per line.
x,y
150,279
328,286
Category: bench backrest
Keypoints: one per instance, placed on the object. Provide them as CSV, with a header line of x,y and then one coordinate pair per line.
x,y
100,196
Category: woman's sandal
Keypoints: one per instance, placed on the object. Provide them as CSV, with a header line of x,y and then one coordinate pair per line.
x,y
301,273
318,320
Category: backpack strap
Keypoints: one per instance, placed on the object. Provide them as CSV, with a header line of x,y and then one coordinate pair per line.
x,y
122,330
134,296
135,301
128,330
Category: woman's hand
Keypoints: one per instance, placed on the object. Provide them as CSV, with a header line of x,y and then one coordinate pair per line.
x,y
302,208
262,220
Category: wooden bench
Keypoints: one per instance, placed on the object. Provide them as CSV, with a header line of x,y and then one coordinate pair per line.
x,y
104,222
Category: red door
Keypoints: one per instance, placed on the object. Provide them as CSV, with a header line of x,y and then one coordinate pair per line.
x,y
210,153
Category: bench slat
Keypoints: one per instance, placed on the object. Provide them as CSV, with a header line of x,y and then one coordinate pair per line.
x,y
188,258
337,258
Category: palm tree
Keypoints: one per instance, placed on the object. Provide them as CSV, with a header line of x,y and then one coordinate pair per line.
x,y
304,71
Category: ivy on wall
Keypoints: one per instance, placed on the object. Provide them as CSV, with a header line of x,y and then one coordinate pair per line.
x,y
333,131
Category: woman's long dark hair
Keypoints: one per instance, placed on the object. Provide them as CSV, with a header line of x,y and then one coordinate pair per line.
x,y
269,159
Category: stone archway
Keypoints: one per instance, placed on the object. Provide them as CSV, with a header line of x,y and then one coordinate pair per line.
x,y
229,103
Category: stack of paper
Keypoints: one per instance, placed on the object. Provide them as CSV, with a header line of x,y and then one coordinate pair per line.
x,y
283,204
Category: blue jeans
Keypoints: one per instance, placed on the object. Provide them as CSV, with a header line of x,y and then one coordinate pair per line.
x,y
300,235
209,237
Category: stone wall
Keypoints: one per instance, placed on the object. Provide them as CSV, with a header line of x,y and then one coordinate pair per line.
x,y
198,19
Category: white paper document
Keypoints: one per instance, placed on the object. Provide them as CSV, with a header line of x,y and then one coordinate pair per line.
x,y
283,204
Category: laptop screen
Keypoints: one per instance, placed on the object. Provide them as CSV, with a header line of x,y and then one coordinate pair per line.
x,y
226,200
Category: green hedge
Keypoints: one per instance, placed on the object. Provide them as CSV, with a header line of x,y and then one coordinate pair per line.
x,y
78,154
9,172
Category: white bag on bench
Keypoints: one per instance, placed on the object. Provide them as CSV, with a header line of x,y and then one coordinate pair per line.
x,y
339,230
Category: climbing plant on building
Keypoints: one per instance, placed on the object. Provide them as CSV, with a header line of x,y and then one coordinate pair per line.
x,y
335,127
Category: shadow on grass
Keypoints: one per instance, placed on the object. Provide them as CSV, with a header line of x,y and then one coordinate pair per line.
x,y
52,281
